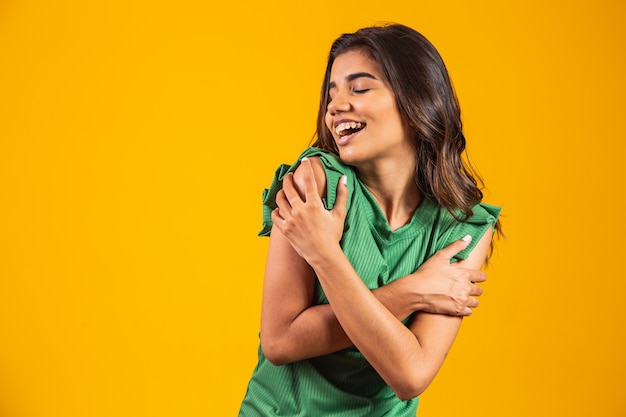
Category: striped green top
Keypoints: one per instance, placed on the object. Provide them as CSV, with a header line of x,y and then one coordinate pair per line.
x,y
343,384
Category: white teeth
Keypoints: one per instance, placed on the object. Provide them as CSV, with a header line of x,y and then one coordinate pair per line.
x,y
348,125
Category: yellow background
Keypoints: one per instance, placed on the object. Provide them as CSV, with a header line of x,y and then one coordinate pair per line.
x,y
135,140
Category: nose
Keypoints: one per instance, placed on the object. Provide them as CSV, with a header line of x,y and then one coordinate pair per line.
x,y
338,104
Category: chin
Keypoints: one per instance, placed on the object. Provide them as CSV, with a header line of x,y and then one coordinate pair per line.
x,y
348,156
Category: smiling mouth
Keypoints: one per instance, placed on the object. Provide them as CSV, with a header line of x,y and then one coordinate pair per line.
x,y
348,128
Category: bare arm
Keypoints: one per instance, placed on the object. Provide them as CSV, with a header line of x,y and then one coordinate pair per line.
x,y
292,328
434,334
406,358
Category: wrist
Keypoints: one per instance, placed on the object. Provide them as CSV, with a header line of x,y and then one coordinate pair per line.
x,y
419,298
329,255
402,297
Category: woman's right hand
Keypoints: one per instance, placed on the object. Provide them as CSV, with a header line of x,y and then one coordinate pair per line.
x,y
448,288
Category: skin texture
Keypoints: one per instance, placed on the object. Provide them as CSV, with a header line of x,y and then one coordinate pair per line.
x,y
304,245
382,152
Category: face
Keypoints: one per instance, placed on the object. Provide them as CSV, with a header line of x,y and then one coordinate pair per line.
x,y
362,114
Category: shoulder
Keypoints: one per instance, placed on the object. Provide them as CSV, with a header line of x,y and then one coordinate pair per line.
x,y
327,168
311,167
482,220
481,214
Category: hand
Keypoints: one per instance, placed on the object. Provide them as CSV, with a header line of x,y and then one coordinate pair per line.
x,y
302,217
449,288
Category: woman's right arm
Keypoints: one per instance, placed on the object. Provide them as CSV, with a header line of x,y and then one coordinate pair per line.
x,y
292,328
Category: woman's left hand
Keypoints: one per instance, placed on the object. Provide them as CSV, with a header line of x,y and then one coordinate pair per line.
x,y
302,217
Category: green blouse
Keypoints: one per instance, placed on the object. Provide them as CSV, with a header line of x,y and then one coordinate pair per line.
x,y
344,384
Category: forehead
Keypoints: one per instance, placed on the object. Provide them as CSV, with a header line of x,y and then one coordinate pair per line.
x,y
352,62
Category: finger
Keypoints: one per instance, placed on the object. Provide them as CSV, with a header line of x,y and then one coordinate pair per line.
x,y
276,219
342,197
289,189
455,247
282,202
477,276
309,182
476,290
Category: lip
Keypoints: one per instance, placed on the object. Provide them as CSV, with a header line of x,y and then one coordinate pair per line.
x,y
344,140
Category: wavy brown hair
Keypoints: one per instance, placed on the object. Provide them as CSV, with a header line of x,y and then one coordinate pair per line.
x,y
426,101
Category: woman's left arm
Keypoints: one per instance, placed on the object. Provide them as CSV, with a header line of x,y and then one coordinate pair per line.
x,y
435,333
407,358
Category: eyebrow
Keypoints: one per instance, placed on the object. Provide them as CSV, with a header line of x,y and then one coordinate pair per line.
x,y
352,77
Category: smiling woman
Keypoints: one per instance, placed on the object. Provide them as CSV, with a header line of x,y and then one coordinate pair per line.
x,y
363,104
377,238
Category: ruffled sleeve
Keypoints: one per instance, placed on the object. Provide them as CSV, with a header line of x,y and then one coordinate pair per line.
x,y
334,169
484,216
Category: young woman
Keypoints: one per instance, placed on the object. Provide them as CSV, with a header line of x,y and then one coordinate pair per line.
x,y
378,235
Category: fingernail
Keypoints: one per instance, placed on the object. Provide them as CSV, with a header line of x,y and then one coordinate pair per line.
x,y
306,158
344,180
466,238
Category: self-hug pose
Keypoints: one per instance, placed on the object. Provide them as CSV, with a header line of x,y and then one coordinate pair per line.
x,y
377,238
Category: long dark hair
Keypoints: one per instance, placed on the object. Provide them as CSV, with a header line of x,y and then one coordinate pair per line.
x,y
426,101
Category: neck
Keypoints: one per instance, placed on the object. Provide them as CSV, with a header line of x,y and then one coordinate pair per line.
x,y
394,188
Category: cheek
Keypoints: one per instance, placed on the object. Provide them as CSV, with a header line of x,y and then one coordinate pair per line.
x,y
393,115
329,122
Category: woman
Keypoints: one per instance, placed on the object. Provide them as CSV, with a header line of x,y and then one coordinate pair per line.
x,y
378,235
